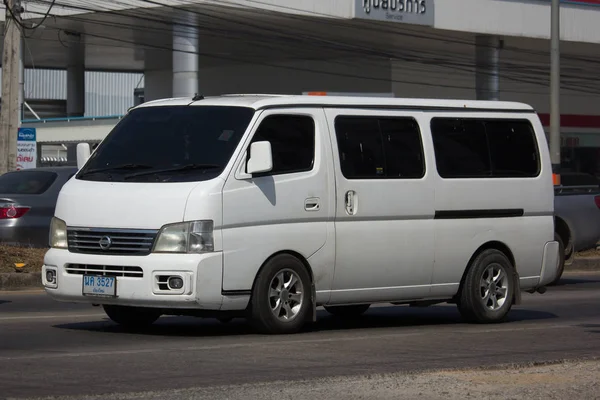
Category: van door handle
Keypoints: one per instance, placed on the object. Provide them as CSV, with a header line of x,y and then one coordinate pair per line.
x,y
312,204
351,202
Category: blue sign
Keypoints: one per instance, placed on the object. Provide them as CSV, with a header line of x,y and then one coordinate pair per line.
x,y
26,135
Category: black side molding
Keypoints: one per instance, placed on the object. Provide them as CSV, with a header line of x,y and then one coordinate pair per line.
x,y
472,214
236,292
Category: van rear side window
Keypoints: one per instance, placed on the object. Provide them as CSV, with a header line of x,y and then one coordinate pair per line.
x,y
485,148
380,147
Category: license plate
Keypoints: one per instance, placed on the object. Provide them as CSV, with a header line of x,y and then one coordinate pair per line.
x,y
94,285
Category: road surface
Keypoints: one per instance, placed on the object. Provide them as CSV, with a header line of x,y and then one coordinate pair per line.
x,y
49,348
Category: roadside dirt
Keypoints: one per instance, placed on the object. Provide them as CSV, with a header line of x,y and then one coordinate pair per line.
x,y
572,380
32,258
593,253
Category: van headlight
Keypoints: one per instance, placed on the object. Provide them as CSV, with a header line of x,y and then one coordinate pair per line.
x,y
185,237
58,234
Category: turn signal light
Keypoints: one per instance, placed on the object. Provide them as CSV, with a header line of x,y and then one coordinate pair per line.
x,y
12,212
556,179
597,201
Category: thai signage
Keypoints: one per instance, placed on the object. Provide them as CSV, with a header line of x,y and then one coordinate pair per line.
x,y
26,148
416,12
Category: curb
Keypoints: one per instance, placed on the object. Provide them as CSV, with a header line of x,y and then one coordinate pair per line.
x,y
584,264
33,280
20,281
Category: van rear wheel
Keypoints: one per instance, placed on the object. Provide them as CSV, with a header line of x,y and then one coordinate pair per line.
x,y
348,311
132,317
562,259
281,298
487,293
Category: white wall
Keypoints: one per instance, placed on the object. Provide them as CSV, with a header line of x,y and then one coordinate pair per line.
x,y
527,18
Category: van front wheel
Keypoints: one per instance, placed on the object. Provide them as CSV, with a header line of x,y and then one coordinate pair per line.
x,y
487,293
281,297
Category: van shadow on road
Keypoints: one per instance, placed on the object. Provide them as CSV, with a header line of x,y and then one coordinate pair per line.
x,y
380,317
565,282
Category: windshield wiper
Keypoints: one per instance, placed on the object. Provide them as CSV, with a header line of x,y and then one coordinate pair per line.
x,y
187,167
117,167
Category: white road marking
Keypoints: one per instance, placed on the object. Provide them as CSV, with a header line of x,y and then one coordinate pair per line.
x,y
53,316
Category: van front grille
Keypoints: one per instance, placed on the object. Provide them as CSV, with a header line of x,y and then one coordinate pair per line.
x,y
105,270
111,241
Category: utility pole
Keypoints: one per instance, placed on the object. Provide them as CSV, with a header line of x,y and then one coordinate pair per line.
x,y
10,108
555,87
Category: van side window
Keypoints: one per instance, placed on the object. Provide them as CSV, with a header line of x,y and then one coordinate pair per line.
x,y
513,148
292,139
380,147
490,148
461,148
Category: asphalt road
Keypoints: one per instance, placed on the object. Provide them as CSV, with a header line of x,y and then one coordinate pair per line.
x,y
49,348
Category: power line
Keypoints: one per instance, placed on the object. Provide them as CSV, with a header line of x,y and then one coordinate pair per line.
x,y
283,38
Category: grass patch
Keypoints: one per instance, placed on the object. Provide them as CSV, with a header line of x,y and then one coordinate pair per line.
x,y
32,257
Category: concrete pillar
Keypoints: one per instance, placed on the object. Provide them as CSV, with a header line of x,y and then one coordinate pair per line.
x,y
185,58
76,77
72,154
158,74
487,54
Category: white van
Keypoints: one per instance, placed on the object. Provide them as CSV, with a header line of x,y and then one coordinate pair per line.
x,y
267,207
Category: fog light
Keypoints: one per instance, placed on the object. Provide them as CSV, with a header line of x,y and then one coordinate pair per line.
x,y
51,276
175,283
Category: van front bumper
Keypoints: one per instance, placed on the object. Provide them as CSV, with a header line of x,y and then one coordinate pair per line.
x,y
550,263
201,273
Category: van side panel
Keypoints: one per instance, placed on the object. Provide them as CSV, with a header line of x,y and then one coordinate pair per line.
x,y
517,212
384,245
268,214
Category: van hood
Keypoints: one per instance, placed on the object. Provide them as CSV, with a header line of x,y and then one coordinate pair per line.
x,y
93,204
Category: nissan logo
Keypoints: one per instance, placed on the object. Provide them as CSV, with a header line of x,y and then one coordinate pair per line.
x,y
105,243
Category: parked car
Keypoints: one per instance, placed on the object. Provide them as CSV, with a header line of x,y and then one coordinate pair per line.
x,y
27,202
577,215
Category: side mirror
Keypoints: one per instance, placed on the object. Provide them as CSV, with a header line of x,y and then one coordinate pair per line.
x,y
261,158
83,153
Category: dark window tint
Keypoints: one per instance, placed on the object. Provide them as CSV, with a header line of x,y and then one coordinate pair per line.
x,y
475,148
174,143
26,182
513,148
360,147
372,147
461,148
292,139
403,148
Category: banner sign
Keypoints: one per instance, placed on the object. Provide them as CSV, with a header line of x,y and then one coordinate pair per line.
x,y
26,148
416,12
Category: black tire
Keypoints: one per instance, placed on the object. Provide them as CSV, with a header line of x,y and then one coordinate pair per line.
x,y
562,259
132,317
470,302
262,317
348,311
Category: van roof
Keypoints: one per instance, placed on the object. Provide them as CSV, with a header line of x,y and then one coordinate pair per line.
x,y
265,101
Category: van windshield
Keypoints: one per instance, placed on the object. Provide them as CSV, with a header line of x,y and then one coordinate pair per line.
x,y
169,144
